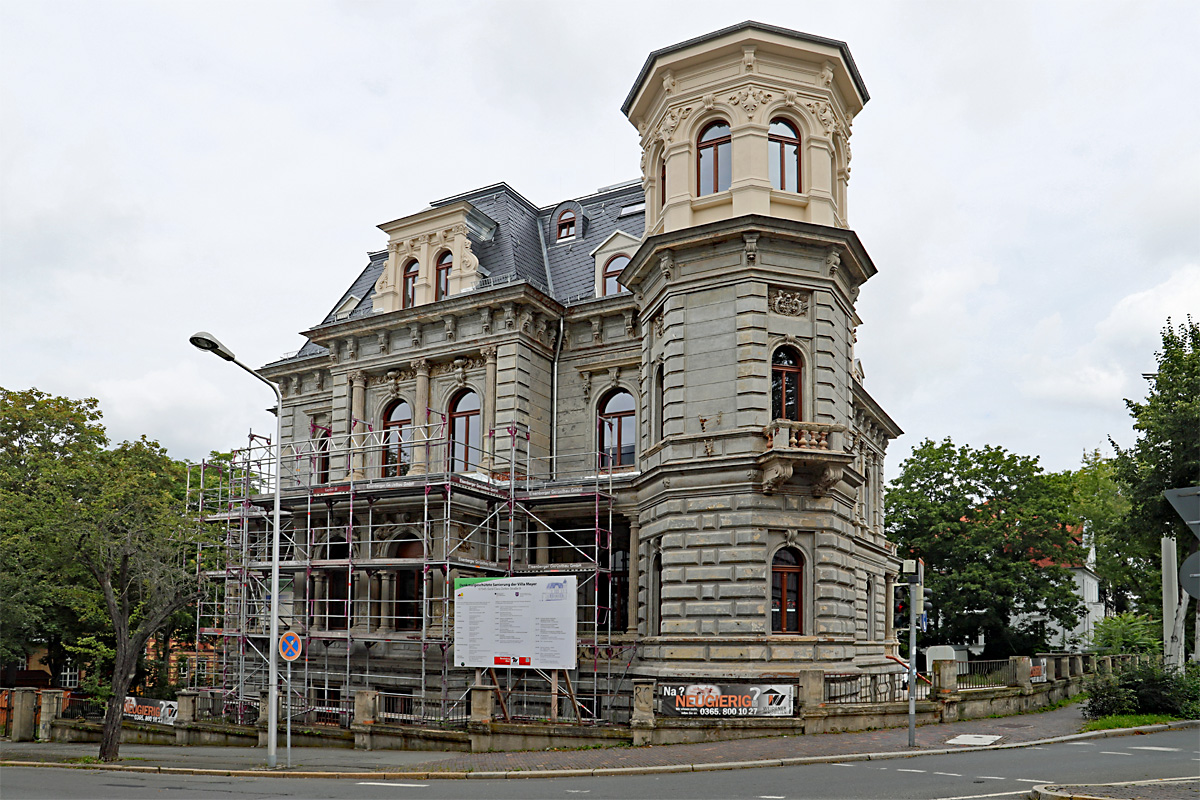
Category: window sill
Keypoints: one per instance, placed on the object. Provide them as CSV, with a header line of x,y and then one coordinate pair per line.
x,y
712,200
789,198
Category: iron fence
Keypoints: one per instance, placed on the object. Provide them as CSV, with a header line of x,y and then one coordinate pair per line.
x,y
872,687
218,707
986,674
406,709
81,707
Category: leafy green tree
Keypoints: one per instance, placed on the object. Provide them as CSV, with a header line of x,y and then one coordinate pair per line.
x,y
992,528
68,504
1127,633
1165,456
1099,502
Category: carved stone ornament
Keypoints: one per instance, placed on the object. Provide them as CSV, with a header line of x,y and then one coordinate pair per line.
x,y
414,334
824,114
352,348
833,260
597,330
510,316
709,100
358,378
629,323
384,339
586,377
751,240
285,386
485,319
334,355
788,303
829,476
670,121
451,327
748,57
776,474
668,82
488,353
660,325
666,265
750,99
827,75
458,368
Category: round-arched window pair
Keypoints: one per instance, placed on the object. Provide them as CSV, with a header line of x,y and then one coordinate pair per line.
x,y
714,157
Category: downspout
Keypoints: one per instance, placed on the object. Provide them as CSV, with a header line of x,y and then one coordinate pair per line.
x,y
554,363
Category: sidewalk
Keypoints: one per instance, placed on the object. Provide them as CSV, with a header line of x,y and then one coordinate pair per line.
x,y
334,762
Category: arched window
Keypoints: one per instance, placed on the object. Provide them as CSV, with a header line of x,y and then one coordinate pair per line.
x,y
397,439
787,592
660,406
321,448
441,286
786,374
611,270
662,183
566,225
408,289
654,628
616,422
784,153
713,159
464,431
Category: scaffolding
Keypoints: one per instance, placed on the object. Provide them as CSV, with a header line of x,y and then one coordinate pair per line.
x,y
374,528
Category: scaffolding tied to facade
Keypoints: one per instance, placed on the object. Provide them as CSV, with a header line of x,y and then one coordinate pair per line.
x,y
375,528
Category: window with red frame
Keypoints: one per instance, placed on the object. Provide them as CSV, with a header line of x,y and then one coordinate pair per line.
x,y
408,286
787,586
784,154
713,159
464,431
442,276
617,420
611,271
566,225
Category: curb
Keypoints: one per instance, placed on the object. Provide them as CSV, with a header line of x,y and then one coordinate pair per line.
x,y
1047,789
1053,791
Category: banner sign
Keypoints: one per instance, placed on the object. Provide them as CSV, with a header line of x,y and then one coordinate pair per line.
x,y
524,622
724,700
143,709
1037,670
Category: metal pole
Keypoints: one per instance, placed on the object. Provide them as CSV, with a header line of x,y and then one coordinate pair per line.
x,y
289,717
912,667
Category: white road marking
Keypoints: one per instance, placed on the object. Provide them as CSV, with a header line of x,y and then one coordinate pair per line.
x,y
992,778
1081,744
981,796
579,791
949,774
1158,749
910,770
1114,753
839,764
1031,780
771,797
405,785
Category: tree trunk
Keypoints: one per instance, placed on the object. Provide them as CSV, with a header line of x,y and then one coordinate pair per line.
x,y
124,665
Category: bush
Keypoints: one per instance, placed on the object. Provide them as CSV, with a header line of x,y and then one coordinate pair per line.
x,y
1127,633
1146,689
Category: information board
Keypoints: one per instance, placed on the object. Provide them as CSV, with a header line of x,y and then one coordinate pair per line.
x,y
526,622
724,700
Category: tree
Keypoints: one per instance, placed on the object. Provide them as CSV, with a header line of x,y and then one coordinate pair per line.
x,y
993,529
1165,456
116,514
1099,502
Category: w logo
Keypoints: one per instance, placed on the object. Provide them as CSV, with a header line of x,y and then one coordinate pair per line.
x,y
774,699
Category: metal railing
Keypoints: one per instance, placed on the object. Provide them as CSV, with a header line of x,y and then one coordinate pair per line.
x,y
872,687
220,707
986,674
405,709
82,707
332,713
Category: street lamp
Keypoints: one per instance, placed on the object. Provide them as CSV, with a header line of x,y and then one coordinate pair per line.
x,y
204,340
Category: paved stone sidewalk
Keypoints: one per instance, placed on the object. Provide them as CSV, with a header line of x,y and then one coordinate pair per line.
x,y
1024,728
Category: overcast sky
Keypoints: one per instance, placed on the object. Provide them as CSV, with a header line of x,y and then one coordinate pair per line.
x,y
1026,178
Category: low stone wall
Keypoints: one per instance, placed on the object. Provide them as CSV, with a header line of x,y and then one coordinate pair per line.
x,y
399,737
485,736
72,730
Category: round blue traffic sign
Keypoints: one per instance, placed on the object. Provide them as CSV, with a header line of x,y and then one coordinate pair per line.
x,y
290,646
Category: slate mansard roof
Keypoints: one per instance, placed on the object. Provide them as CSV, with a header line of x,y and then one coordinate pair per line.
x,y
523,247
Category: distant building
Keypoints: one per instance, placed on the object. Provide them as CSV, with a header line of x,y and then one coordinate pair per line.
x,y
652,387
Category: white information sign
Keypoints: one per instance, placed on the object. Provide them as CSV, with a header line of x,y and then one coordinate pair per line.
x,y
524,622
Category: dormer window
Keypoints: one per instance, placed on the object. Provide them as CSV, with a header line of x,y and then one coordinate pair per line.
x,y
442,278
408,289
784,154
714,159
566,225
611,270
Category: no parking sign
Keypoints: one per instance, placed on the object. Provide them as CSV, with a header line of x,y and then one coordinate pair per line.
x,y
290,646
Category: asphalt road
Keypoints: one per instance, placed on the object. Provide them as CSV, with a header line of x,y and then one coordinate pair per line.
x,y
970,774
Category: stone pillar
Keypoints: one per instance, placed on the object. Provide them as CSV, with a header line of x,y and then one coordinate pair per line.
x,y
52,705
1104,665
421,418
366,707
481,702
321,601
1022,670
489,408
23,709
358,424
810,688
1076,665
642,721
387,612
186,698
945,676
375,610
542,556
635,576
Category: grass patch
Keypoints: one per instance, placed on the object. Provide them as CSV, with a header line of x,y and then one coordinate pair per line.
x,y
83,760
1127,721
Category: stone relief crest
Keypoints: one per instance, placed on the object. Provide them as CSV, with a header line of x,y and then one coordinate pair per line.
x,y
750,99
788,303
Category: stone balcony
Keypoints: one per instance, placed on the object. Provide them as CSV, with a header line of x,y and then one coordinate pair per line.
x,y
814,451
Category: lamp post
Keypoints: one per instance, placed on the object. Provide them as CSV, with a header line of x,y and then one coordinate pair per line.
x,y
204,340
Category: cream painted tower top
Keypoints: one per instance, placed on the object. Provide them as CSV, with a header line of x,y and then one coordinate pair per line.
x,y
752,119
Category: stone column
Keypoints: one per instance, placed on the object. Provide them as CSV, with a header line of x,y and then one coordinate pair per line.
x,y
375,607
542,556
810,688
52,704
23,705
1022,669
321,602
421,417
945,676
642,721
635,554
358,424
387,602
489,408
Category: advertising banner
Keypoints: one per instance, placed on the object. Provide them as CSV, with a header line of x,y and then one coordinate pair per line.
x,y
516,622
143,709
724,700
1037,670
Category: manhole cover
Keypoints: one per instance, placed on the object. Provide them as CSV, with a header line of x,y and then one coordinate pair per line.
x,y
973,739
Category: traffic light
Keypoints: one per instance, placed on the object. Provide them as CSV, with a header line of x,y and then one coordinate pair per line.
x,y
926,609
900,606
919,600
